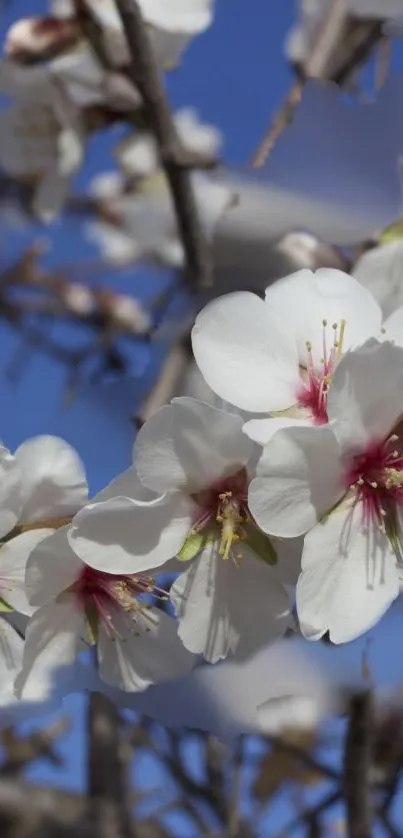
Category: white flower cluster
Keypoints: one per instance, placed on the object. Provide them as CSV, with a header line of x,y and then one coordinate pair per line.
x,y
63,88
295,482
136,216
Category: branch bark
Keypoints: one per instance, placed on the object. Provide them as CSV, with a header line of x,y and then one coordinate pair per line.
x,y
108,809
339,47
175,161
357,766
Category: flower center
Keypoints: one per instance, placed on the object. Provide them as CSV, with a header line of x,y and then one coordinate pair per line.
x,y
376,477
224,507
313,394
101,595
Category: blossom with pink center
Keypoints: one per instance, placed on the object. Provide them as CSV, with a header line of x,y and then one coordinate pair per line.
x,y
276,357
228,598
342,484
136,643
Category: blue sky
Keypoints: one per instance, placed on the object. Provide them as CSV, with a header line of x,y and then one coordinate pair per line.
x,y
235,75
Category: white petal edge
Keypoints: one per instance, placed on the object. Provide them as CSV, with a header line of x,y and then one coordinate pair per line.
x,y
246,356
299,477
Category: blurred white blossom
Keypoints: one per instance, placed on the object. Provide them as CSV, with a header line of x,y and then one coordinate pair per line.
x,y
141,223
311,13
42,138
137,154
380,269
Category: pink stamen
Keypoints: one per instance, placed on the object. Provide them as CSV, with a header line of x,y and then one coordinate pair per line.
x,y
376,476
102,594
312,395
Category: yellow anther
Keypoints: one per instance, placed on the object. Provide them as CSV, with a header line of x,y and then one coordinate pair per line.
x,y
341,338
374,484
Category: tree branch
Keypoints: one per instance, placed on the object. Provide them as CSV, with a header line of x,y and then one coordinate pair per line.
x,y
340,45
357,766
174,159
109,811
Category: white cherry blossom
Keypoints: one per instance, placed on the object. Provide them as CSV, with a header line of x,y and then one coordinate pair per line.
x,y
277,356
11,652
228,599
137,154
43,483
311,13
288,680
170,31
42,136
136,643
342,484
380,270
143,222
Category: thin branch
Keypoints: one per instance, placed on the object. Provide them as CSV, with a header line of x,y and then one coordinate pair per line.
x,y
357,766
167,384
282,118
109,810
308,815
305,757
325,61
174,159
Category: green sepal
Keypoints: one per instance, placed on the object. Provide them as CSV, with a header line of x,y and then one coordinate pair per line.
x,y
392,233
260,544
194,543
391,530
92,626
5,608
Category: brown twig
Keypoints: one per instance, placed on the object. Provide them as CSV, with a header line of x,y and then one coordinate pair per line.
x,y
282,118
357,766
107,792
21,751
340,45
173,158
167,383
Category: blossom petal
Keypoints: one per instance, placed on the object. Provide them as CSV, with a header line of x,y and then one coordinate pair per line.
x,y
14,555
380,270
132,660
189,445
289,553
262,430
224,608
51,642
306,298
299,476
11,651
365,397
125,536
51,568
349,577
11,491
393,325
184,16
253,694
126,485
245,354
53,478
